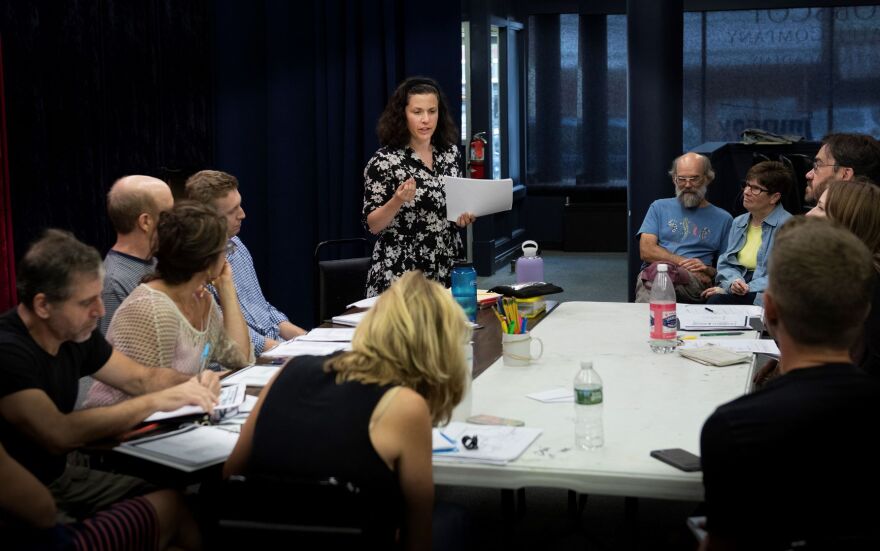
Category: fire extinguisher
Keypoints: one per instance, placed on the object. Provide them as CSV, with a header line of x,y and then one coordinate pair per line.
x,y
477,165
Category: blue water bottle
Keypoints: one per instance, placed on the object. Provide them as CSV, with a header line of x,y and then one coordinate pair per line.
x,y
464,288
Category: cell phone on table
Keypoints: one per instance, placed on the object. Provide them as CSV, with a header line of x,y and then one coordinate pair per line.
x,y
494,420
679,458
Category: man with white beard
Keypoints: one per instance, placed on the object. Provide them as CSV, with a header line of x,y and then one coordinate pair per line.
x,y
688,233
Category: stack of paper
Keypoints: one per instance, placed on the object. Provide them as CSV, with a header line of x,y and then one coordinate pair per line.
x,y
254,375
496,444
302,348
231,396
350,320
188,449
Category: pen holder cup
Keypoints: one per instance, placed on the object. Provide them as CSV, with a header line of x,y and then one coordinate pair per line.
x,y
517,349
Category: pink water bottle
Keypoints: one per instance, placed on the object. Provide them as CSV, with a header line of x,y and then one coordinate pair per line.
x,y
530,266
664,323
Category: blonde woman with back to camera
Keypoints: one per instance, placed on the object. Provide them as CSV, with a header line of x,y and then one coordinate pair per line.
x,y
371,409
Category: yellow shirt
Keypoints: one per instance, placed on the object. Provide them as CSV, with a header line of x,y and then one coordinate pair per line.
x,y
748,255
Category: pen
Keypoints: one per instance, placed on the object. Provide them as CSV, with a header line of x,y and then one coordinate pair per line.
x,y
137,432
709,309
203,361
728,334
448,439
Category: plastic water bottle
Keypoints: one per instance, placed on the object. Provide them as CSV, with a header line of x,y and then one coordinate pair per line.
x,y
588,430
464,288
664,322
530,266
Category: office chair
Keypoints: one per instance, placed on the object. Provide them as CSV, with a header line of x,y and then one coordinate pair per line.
x,y
340,282
264,512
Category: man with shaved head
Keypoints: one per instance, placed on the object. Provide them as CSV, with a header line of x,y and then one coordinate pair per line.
x,y
133,204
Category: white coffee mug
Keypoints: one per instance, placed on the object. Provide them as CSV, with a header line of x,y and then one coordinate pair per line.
x,y
517,349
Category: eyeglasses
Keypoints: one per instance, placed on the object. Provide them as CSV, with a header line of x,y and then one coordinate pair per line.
x,y
819,164
754,190
687,179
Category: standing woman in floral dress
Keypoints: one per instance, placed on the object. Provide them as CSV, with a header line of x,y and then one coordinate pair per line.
x,y
404,196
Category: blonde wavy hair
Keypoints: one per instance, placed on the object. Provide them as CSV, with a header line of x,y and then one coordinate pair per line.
x,y
413,336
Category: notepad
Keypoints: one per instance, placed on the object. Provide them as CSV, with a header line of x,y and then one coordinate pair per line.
x,y
714,355
303,348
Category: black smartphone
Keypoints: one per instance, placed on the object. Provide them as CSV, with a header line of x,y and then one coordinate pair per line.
x,y
678,458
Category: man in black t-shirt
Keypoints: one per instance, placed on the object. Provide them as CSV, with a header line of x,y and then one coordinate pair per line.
x,y
47,343
792,465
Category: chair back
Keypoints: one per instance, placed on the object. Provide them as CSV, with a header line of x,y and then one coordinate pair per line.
x,y
264,512
340,281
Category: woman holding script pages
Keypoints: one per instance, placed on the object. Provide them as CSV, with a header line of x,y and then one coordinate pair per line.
x,y
404,196
172,320
742,268
365,416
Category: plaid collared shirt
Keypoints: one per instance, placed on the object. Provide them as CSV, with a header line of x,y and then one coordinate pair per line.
x,y
262,318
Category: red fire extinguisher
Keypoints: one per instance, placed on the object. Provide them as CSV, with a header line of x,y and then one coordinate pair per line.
x,y
477,165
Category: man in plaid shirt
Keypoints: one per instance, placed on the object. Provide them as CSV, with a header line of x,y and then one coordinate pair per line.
x,y
265,323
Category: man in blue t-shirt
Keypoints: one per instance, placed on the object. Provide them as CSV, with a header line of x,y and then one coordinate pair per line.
x,y
686,232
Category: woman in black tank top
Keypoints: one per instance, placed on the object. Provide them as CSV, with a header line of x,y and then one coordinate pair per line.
x,y
365,416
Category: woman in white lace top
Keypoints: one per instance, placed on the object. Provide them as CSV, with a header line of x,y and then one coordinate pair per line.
x,y
168,320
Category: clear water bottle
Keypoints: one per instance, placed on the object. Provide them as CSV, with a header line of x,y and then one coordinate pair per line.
x,y
464,288
664,323
588,430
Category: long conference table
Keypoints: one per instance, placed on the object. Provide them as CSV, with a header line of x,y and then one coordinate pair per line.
x,y
651,401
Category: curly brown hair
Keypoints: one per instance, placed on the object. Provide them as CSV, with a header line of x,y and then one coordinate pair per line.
x,y
190,238
392,129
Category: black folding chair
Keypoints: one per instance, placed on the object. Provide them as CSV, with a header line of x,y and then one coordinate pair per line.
x,y
340,281
267,512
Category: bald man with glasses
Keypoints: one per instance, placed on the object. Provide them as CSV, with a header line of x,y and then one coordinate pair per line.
x,y
686,232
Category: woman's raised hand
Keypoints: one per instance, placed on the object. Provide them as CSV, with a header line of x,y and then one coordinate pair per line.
x,y
406,191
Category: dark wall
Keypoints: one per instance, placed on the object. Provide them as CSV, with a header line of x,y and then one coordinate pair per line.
x,y
283,95
296,117
97,90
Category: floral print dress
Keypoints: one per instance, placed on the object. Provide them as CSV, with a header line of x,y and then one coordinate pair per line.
x,y
419,237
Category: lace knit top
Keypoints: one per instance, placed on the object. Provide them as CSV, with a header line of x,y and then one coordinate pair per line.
x,y
150,329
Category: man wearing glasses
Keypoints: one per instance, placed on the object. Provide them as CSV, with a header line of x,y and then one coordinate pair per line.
x,y
266,324
842,157
687,232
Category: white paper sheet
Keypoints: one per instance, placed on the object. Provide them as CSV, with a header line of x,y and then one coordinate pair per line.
x,y
762,346
695,317
328,334
553,395
496,444
364,302
476,196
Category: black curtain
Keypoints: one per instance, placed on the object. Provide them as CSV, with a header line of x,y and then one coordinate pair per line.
x,y
97,90
299,88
